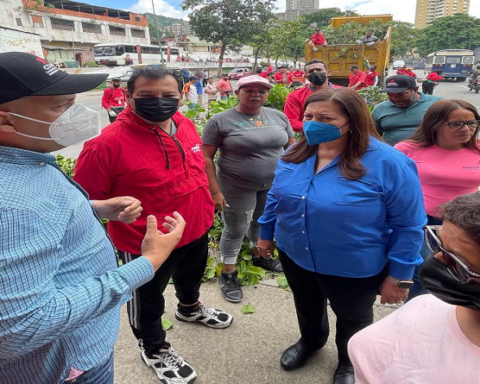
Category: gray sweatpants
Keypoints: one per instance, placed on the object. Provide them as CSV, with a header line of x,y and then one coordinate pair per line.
x,y
240,218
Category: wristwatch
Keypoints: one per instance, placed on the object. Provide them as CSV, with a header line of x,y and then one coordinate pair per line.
x,y
405,284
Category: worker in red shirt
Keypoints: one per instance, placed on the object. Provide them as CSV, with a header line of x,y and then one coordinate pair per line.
x,y
409,72
153,153
372,76
402,70
281,77
264,73
357,79
432,81
317,75
114,99
317,39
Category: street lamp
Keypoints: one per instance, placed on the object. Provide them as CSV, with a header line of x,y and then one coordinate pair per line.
x,y
156,30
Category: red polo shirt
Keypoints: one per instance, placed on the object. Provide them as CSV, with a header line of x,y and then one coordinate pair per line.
x,y
279,78
355,78
114,97
128,159
294,106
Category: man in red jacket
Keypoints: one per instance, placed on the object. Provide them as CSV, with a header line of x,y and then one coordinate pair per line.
x,y
317,74
152,152
114,99
281,77
317,39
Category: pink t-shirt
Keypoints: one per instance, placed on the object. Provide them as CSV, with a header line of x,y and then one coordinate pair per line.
x,y
420,343
444,174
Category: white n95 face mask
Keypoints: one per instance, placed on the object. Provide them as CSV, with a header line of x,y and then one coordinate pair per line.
x,y
78,123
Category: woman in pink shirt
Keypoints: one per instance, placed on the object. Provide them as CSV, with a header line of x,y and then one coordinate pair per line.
x,y
447,154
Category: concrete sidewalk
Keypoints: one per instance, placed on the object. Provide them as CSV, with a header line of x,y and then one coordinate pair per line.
x,y
247,352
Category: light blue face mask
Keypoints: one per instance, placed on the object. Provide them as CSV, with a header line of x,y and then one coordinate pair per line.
x,y
318,133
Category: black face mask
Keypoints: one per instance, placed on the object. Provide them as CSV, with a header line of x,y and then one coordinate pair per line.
x,y
156,109
436,279
116,85
317,78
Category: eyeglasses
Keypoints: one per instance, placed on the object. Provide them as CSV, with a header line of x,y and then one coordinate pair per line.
x,y
472,124
455,266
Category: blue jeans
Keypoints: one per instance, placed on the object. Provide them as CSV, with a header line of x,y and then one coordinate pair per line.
x,y
417,288
103,374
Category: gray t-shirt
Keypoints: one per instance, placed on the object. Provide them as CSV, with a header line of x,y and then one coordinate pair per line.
x,y
250,145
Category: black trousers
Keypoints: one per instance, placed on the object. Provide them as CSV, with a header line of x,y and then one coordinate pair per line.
x,y
186,265
351,300
427,88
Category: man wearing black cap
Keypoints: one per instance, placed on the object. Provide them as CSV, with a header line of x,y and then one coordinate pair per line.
x,y
60,288
114,99
401,115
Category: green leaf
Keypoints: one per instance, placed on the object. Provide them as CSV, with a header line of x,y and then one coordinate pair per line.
x,y
248,309
247,257
256,271
254,279
282,282
166,324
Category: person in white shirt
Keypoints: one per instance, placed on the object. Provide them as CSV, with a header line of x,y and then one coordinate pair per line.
x,y
434,338
211,90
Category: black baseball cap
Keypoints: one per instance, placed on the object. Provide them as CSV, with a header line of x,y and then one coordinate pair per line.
x,y
354,67
399,83
23,74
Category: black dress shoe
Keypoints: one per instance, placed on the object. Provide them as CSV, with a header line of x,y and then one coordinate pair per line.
x,y
295,356
344,375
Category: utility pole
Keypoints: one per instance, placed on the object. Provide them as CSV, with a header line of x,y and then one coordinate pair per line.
x,y
156,30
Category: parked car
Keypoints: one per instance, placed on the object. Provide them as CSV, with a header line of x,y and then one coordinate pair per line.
x,y
238,73
397,64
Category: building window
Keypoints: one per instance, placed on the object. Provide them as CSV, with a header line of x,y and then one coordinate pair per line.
x,y
91,28
138,33
37,21
116,31
19,21
137,18
62,24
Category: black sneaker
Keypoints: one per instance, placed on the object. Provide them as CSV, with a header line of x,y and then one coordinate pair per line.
x,y
213,318
272,265
169,366
230,287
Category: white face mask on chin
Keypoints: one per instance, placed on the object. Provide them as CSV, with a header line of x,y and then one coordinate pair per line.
x,y
78,123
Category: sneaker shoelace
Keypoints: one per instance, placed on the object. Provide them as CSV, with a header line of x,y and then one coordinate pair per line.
x,y
207,310
232,283
171,357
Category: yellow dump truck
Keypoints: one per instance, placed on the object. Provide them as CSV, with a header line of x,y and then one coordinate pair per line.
x,y
340,58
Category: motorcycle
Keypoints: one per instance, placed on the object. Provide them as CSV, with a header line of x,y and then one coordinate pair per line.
x,y
474,85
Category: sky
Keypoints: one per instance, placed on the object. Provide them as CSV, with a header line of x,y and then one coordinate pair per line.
x,y
403,10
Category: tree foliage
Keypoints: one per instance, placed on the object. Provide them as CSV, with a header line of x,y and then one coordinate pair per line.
x,y
288,39
403,37
459,31
232,23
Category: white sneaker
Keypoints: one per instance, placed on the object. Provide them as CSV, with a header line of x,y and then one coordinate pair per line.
x,y
211,317
169,366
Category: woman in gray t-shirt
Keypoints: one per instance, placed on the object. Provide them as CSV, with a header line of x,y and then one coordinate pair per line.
x,y
251,139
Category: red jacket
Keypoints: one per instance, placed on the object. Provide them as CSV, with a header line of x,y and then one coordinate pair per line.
x,y
267,71
294,106
128,159
319,39
433,76
354,79
371,77
114,97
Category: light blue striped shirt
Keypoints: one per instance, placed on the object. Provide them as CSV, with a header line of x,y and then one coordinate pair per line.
x,y
60,288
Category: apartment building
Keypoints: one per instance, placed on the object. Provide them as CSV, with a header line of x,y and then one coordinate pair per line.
x,y
429,10
296,8
70,29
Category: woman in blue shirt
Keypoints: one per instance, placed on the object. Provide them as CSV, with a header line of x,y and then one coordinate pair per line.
x,y
346,211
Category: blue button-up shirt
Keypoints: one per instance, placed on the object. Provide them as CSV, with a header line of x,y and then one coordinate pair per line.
x,y
330,225
60,288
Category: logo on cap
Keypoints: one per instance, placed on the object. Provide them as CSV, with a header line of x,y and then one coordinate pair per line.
x,y
392,83
50,69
